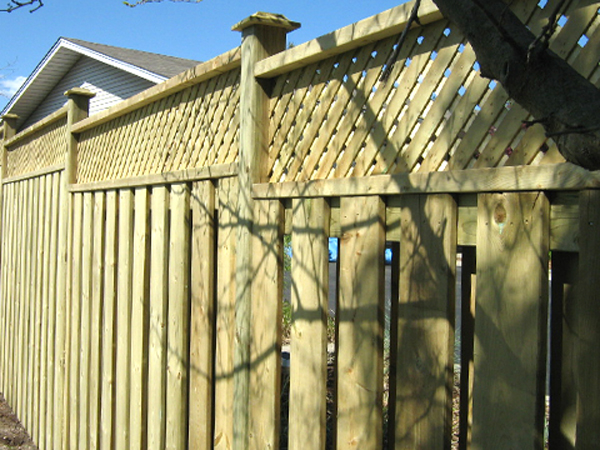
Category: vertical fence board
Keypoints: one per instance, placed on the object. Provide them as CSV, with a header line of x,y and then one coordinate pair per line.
x,y
310,296
53,355
5,252
107,384
37,340
96,317
139,310
178,323
202,315
75,319
510,321
43,416
61,403
360,316
86,310
21,303
585,319
426,322
265,343
124,317
29,288
225,314
157,339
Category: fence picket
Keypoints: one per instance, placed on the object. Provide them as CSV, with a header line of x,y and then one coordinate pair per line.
x,y
310,295
426,322
510,320
265,350
178,319
202,315
157,339
360,316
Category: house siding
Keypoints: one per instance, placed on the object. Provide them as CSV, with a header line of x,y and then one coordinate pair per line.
x,y
110,85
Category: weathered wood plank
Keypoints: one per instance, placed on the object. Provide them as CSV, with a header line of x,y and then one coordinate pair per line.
x,y
157,354
123,324
560,177
426,322
96,308
225,314
139,322
178,319
107,387
86,319
360,316
202,320
265,325
310,295
510,320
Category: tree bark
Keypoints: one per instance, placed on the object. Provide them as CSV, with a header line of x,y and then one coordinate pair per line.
x,y
559,98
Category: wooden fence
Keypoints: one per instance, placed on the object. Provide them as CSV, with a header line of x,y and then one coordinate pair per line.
x,y
143,253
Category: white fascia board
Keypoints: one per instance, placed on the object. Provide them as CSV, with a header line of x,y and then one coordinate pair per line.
x,y
135,70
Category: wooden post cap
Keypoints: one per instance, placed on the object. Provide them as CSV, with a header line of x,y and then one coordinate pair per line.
x,y
81,92
267,19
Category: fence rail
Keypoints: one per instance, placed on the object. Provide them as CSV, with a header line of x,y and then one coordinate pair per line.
x,y
146,252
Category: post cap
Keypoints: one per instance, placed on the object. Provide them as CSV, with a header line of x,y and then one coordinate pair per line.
x,y
79,92
267,19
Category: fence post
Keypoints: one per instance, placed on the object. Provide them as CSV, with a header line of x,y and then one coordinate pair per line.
x,y
262,35
78,109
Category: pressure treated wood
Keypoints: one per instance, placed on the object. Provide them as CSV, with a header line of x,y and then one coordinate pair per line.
x,y
310,295
265,352
225,313
139,323
178,319
158,301
123,324
202,312
426,322
107,391
360,316
510,320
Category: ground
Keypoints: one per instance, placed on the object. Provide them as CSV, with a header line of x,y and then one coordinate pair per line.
x,y
13,435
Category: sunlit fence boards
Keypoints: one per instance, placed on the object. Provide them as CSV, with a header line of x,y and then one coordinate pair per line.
x,y
143,266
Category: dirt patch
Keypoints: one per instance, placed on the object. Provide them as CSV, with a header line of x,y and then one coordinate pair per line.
x,y
13,435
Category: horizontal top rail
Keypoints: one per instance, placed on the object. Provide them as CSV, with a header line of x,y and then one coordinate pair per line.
x,y
49,120
34,174
180,176
547,177
204,71
375,28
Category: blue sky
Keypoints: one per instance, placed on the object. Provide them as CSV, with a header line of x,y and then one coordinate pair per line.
x,y
188,30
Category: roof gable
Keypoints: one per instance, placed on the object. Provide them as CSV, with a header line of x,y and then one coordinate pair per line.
x,y
67,52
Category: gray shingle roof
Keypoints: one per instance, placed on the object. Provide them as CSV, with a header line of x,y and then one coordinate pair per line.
x,y
164,65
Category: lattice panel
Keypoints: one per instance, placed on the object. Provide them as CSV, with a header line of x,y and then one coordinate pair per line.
x,y
335,118
196,127
44,148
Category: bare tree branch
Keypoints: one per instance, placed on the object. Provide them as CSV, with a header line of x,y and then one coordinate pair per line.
x,y
389,65
143,2
15,4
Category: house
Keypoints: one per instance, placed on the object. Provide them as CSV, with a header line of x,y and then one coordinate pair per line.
x,y
112,73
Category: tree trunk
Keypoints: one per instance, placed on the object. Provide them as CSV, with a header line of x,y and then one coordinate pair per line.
x,y
561,100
